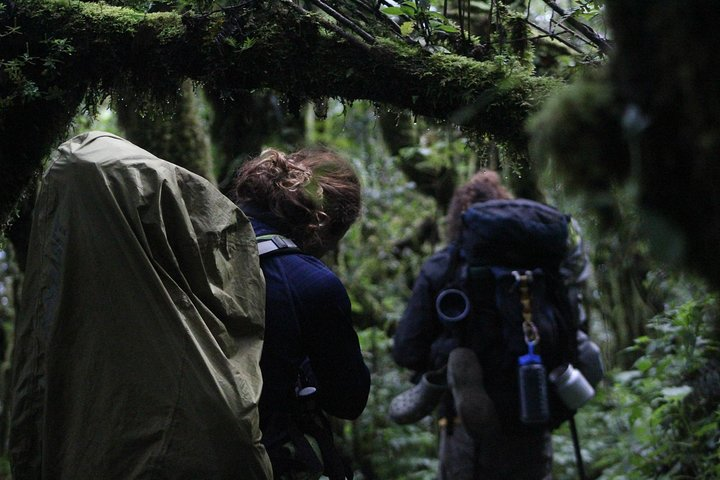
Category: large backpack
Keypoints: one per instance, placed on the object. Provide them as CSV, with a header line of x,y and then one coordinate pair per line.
x,y
138,342
507,262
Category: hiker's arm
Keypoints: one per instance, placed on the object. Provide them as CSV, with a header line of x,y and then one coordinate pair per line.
x,y
418,327
576,271
333,348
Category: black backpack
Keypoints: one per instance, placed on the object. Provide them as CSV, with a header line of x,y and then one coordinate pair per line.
x,y
510,252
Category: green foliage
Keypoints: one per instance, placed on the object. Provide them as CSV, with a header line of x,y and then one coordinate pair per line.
x,y
666,420
100,118
386,450
442,148
25,88
425,23
660,418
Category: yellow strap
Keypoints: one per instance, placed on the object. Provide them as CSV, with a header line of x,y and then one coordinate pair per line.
x,y
443,422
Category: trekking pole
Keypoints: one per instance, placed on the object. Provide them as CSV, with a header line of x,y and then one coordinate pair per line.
x,y
576,444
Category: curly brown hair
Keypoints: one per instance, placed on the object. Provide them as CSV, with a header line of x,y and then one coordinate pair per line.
x,y
314,193
484,185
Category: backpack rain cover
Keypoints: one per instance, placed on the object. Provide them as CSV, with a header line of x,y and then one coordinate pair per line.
x,y
140,331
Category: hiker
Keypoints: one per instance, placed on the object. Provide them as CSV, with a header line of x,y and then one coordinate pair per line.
x,y
300,206
477,441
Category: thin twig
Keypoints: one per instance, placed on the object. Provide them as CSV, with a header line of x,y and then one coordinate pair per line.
x,y
375,9
231,8
469,24
379,15
331,26
585,30
344,20
555,36
461,17
566,29
528,39
490,16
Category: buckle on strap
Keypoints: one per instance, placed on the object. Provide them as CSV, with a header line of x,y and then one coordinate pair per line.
x,y
270,243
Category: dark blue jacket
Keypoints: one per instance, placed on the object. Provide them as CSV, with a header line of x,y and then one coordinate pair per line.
x,y
421,343
307,317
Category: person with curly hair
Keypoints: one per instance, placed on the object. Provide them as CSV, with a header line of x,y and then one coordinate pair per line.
x,y
473,443
301,205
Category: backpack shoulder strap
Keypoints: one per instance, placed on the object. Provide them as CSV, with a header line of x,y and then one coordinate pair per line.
x,y
274,243
454,264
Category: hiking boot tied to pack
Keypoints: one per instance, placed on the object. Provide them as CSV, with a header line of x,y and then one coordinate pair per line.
x,y
472,403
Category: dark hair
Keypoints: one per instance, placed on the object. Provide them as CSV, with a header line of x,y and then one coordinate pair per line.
x,y
314,193
484,185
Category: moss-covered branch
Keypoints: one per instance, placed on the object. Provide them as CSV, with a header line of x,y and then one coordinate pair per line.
x,y
267,44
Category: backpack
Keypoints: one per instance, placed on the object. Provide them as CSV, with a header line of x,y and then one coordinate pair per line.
x,y
138,341
507,264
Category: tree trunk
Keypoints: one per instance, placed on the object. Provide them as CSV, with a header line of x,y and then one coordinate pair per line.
x,y
177,136
242,125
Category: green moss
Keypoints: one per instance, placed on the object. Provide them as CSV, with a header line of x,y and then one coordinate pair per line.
x,y
168,25
113,19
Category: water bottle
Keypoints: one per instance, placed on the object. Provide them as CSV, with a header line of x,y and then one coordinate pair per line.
x,y
534,407
572,387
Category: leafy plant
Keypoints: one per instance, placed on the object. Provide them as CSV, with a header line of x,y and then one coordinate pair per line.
x,y
423,22
660,418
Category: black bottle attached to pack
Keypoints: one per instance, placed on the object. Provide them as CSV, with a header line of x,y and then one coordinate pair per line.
x,y
532,379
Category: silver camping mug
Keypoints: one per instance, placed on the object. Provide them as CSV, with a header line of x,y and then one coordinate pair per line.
x,y
571,386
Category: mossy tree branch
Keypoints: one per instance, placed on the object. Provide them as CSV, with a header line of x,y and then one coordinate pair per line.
x,y
264,44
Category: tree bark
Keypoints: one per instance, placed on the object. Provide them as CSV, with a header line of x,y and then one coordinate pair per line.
x,y
242,125
177,136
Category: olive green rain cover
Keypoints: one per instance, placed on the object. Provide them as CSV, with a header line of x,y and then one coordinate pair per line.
x,y
140,331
